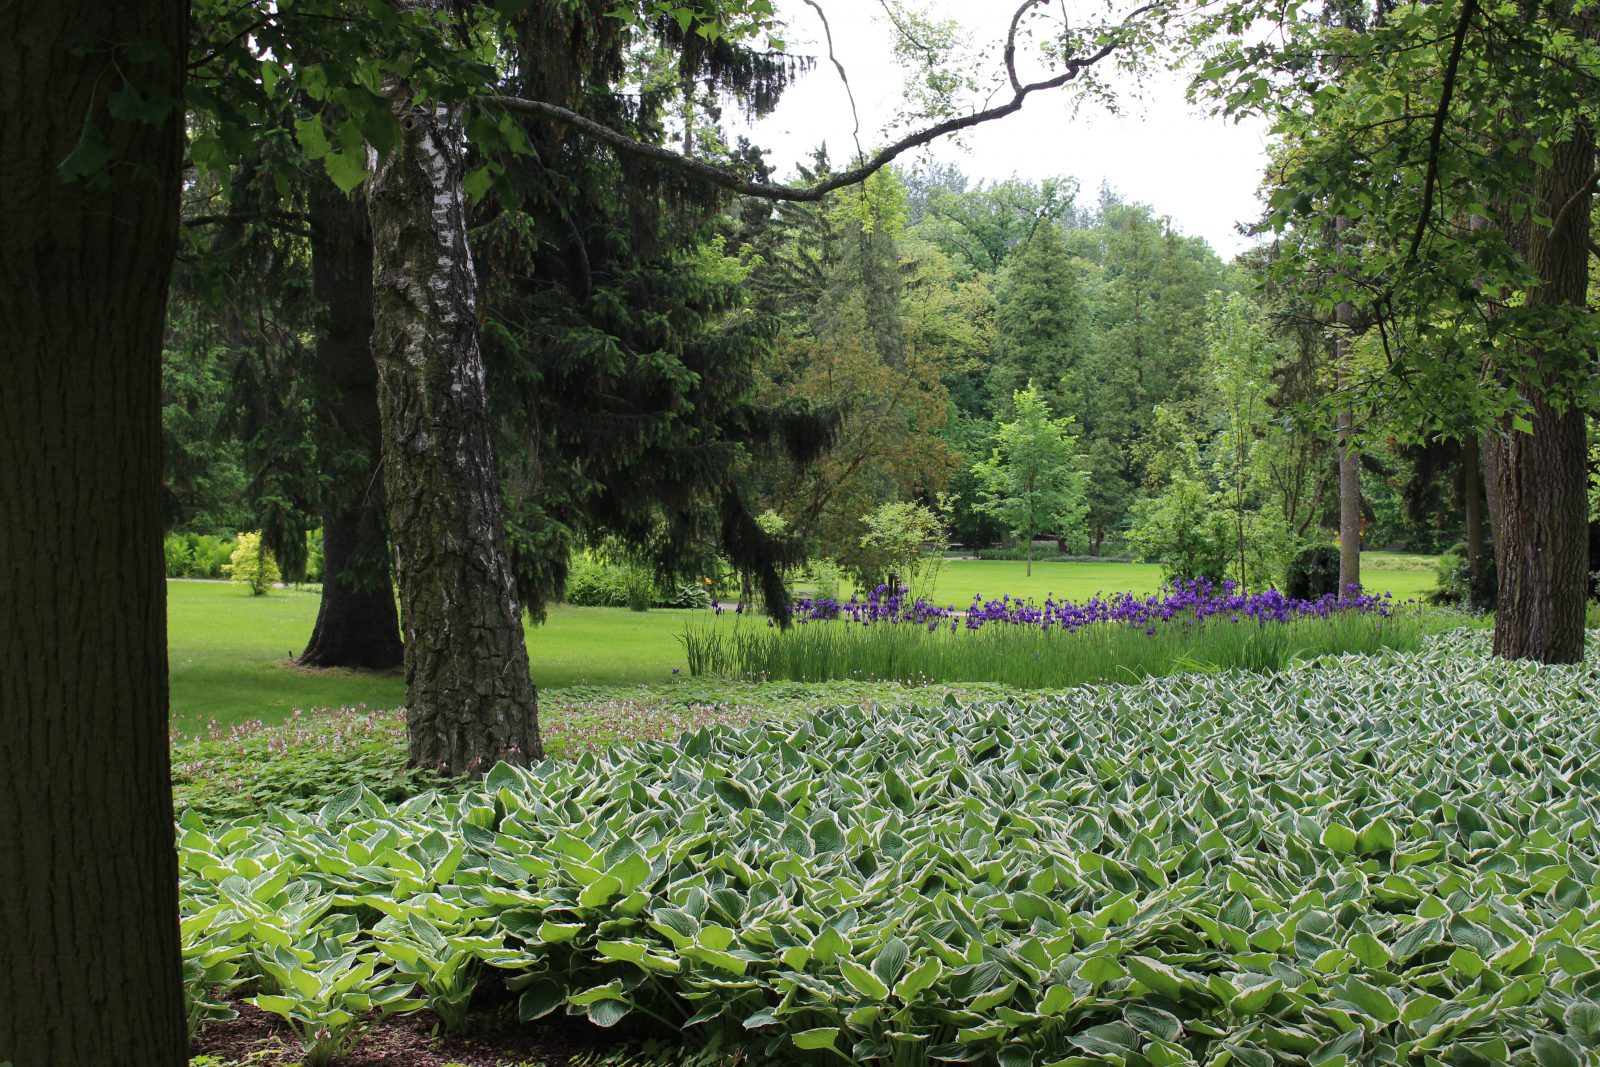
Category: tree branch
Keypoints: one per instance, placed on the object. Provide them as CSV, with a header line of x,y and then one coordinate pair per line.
x,y
734,182
1572,201
827,32
1010,53
1469,9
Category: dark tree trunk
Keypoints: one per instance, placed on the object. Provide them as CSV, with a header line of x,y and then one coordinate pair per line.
x,y
1538,482
357,625
88,869
1472,497
470,699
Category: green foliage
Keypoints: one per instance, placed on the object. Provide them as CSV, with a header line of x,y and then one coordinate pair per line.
x,y
213,966
298,764
1193,525
1042,324
1183,529
196,555
825,579
250,564
1453,578
1032,481
597,580
1313,572
326,1001
905,539
1030,658
1206,865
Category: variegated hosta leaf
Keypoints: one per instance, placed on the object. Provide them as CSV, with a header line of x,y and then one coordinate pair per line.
x,y
1388,859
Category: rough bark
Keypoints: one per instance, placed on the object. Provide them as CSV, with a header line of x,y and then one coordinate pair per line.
x,y
470,699
88,870
357,625
1537,482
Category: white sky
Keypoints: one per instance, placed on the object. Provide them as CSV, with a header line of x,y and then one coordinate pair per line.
x,y
1200,171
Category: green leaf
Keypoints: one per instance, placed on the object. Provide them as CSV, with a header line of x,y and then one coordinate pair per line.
x,y
821,1037
864,981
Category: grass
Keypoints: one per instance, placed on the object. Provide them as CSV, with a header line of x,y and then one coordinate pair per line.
x,y
960,580
231,655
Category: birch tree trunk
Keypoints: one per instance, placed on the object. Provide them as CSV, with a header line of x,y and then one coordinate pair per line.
x,y
470,699
89,957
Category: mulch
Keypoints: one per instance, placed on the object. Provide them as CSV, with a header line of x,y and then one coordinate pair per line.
x,y
264,1040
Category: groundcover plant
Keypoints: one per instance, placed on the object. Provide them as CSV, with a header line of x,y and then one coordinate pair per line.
x,y
1385,859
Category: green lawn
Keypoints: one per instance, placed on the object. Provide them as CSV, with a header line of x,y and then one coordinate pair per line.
x,y
1404,576
231,654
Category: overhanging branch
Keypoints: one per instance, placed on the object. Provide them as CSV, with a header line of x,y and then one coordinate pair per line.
x,y
734,182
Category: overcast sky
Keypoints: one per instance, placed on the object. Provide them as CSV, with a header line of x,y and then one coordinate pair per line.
x,y
1201,171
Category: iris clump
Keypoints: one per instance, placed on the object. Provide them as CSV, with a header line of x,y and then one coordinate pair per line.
x,y
1188,625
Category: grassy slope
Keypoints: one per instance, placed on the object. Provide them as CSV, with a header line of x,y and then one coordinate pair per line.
x,y
230,653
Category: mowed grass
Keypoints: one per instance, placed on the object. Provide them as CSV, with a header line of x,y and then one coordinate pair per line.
x,y
231,654
960,580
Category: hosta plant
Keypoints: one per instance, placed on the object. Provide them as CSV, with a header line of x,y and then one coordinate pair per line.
x,y
1379,860
326,1003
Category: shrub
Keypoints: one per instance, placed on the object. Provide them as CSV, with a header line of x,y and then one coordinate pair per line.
x,y
1313,572
251,565
826,579
1184,530
1454,585
903,539
1355,862
594,581
189,555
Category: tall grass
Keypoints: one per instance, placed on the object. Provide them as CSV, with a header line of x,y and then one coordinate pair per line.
x,y
1033,658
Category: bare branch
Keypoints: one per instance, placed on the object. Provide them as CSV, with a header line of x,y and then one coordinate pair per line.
x,y
1010,54
738,183
827,32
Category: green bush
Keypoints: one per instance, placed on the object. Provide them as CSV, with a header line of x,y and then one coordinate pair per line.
x,y
1313,573
1454,585
1356,862
825,578
251,565
196,555
597,582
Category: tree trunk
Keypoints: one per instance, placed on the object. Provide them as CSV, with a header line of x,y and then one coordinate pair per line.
x,y
1472,496
1030,556
356,624
1349,461
470,699
88,869
1538,482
